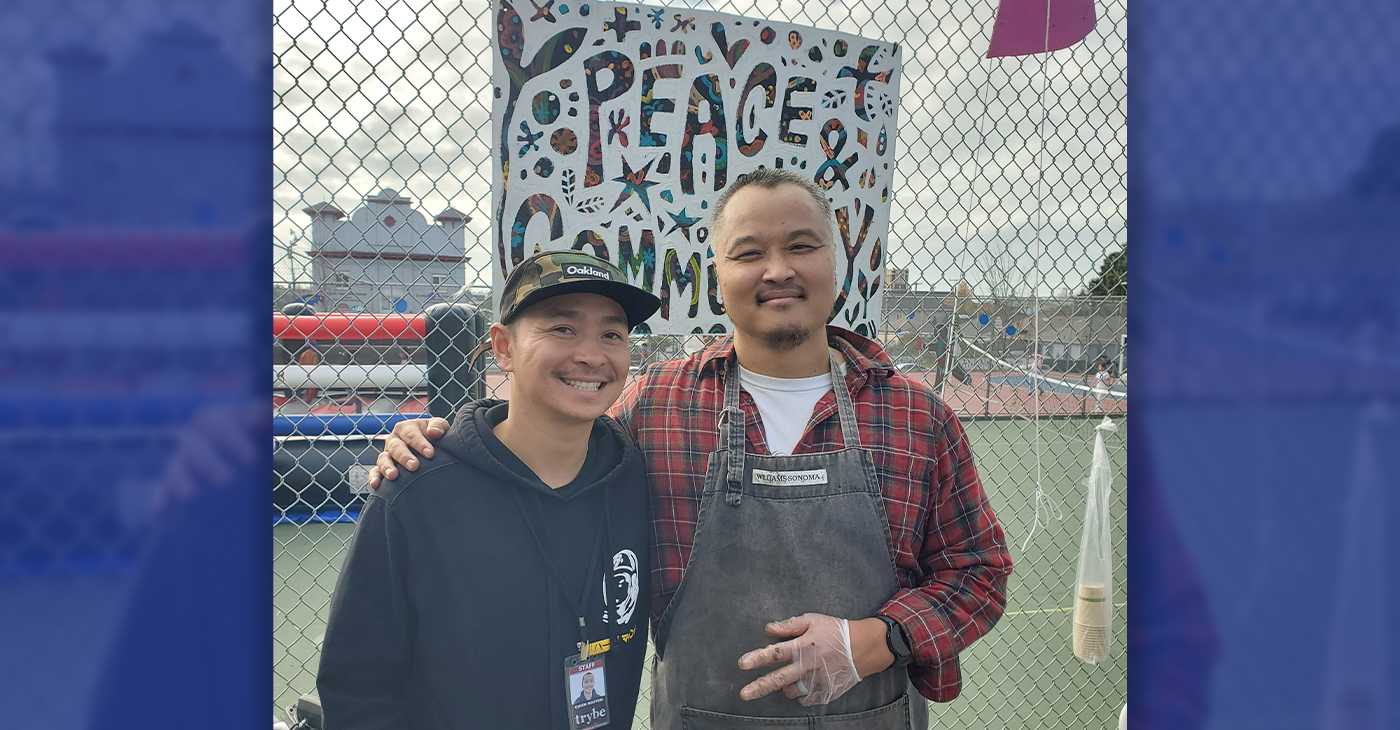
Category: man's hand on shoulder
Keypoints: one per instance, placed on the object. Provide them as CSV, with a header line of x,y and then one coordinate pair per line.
x,y
409,439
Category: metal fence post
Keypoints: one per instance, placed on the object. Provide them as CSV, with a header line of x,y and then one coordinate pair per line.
x,y
452,332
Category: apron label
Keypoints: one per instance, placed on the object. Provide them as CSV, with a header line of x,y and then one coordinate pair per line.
x,y
789,478
587,688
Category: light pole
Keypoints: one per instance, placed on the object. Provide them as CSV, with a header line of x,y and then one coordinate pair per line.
x,y
292,252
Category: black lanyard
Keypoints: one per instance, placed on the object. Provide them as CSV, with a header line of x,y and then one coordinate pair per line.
x,y
581,605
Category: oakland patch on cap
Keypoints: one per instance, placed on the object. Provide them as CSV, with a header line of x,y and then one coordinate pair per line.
x,y
551,273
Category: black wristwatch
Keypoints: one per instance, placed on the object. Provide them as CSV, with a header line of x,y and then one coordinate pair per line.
x,y
897,641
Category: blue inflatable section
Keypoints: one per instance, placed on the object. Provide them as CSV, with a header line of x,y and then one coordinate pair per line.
x,y
341,425
325,517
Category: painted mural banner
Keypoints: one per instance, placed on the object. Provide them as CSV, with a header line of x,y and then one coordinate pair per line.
x,y
617,125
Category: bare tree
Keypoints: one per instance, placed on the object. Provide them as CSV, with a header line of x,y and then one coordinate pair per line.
x,y
999,271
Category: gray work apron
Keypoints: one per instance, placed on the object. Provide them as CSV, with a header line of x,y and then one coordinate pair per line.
x,y
764,552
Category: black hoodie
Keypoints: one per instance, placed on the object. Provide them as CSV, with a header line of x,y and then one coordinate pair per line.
x,y
445,614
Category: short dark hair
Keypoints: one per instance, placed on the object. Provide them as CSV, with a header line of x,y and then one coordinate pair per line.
x,y
768,178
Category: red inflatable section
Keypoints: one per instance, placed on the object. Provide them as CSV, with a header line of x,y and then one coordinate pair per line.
x,y
344,327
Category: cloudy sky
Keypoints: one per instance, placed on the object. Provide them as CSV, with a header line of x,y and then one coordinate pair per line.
x,y
397,94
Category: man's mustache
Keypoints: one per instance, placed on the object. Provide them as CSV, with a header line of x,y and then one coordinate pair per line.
x,y
774,291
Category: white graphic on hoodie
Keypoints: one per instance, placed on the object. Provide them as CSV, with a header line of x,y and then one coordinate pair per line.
x,y
626,585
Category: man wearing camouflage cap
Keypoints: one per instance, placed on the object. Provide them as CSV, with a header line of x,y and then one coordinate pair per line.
x,y
823,549
483,588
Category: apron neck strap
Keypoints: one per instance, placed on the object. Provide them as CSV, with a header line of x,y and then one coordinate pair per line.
x,y
845,410
732,417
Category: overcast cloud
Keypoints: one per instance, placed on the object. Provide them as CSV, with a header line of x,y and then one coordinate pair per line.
x,y
397,94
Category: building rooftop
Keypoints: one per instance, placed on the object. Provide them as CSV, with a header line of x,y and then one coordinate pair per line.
x,y
389,196
452,214
321,209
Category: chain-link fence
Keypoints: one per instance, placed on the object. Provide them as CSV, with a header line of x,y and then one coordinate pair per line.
x,y
1004,290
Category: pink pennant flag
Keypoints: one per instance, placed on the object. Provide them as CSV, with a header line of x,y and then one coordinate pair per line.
x,y
1020,28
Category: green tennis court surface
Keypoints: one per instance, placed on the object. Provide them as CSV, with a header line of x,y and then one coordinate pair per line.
x,y
1022,675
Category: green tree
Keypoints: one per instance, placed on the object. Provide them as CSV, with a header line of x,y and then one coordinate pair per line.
x,y
1112,280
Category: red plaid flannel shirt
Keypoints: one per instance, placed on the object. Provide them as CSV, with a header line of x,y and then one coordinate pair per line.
x,y
950,554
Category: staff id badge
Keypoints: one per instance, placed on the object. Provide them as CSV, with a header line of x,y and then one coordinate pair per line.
x,y
588,692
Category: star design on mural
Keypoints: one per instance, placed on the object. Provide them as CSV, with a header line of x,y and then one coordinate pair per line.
x,y
530,140
620,24
683,222
635,182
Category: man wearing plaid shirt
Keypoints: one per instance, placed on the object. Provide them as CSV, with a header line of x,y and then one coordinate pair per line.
x,y
848,525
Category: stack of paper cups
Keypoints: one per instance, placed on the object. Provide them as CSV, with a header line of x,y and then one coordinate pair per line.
x,y
1092,622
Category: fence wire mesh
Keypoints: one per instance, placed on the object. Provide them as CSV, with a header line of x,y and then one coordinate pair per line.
x,y
1007,282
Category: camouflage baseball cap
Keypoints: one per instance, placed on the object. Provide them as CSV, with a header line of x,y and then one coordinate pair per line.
x,y
551,273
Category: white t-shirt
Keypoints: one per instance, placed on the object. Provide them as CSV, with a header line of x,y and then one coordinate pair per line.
x,y
784,405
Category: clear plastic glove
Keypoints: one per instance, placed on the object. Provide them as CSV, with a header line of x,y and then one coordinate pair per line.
x,y
822,667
